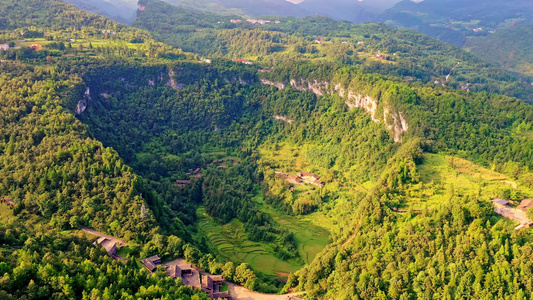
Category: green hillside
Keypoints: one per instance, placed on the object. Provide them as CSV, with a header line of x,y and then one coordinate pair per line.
x,y
510,49
188,153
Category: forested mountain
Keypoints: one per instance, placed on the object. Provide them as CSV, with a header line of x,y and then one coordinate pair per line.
x,y
454,20
510,49
119,10
252,8
373,48
194,153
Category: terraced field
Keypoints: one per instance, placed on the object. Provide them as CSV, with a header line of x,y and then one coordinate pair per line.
x,y
230,241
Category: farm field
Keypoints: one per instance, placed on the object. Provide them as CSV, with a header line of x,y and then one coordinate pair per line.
x,y
230,241
443,176
310,238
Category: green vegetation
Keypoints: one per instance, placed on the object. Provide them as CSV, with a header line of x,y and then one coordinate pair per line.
x,y
507,48
96,131
403,54
231,242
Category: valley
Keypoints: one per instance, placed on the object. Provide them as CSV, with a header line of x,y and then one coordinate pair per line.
x,y
317,157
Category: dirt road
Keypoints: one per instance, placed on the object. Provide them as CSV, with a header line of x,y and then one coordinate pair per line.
x,y
238,292
119,241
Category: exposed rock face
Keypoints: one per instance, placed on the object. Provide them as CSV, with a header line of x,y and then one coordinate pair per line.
x,y
315,87
284,119
393,120
81,107
172,82
279,85
82,104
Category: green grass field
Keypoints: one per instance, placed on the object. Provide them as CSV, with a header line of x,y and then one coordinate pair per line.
x,y
443,175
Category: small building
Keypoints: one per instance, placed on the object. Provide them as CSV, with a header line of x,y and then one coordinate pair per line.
x,y
4,47
182,182
151,263
196,171
525,205
235,21
180,271
319,183
294,179
199,175
211,284
36,47
308,176
500,202
109,245
222,167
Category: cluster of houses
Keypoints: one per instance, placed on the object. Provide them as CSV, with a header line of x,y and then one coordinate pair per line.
x,y
244,61
518,214
301,177
261,22
179,268
109,32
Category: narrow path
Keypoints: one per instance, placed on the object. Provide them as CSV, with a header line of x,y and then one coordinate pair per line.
x,y
119,241
238,292
356,231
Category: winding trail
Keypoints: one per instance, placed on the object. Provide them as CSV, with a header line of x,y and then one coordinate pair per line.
x,y
356,231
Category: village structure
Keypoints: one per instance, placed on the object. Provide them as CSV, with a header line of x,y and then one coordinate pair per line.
x,y
190,276
4,47
261,22
178,268
517,214
301,177
244,61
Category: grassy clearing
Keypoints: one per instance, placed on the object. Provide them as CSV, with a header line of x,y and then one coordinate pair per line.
x,y
126,250
442,176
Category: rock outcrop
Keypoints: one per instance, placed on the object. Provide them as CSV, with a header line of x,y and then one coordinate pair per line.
x,y
394,120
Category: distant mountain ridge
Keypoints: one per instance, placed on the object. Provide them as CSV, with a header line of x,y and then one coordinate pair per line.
x,y
453,21
510,49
